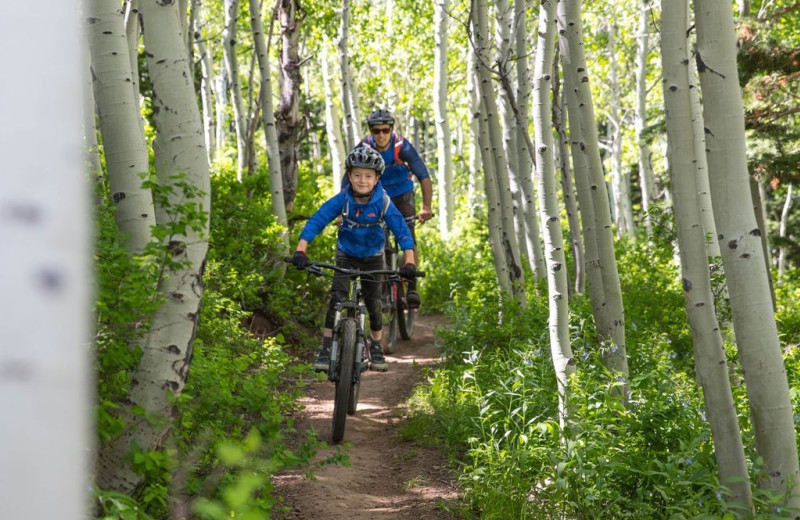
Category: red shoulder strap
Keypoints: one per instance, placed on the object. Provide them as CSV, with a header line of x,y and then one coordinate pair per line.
x,y
398,145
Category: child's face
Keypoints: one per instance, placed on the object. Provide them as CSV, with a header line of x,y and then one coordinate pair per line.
x,y
363,180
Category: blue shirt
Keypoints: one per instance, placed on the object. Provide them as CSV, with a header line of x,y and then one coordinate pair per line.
x,y
361,240
397,179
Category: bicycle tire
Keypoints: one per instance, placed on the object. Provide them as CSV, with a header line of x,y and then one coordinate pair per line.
x,y
344,383
390,345
352,402
405,316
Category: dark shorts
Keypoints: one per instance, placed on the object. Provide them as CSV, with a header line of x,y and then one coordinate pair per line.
x,y
408,208
370,287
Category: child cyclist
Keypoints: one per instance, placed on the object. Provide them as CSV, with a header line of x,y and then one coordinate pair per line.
x,y
362,206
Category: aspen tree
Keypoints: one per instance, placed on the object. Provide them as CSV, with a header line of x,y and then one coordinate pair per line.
x,y
495,152
611,324
333,126
120,123
742,254
787,206
206,82
180,158
473,187
558,321
45,231
287,117
444,155
268,117
709,350
351,123
646,176
229,42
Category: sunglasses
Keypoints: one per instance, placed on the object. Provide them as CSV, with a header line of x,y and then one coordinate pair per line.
x,y
384,130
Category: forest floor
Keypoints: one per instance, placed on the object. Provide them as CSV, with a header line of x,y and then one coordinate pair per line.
x,y
387,477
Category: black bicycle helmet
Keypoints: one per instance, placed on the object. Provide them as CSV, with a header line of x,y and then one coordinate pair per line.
x,y
364,157
380,117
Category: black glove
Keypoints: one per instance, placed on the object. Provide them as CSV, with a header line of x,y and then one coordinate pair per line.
x,y
300,260
408,271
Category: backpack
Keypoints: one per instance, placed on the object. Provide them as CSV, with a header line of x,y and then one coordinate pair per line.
x,y
353,223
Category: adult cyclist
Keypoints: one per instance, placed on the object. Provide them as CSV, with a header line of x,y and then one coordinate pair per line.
x,y
403,163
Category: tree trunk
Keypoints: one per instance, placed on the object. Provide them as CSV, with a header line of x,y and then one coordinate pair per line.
x,y
90,147
45,231
646,176
490,185
757,195
268,117
287,116
570,205
557,284
620,180
132,33
445,166
180,159
350,120
475,181
496,153
229,43
612,325
206,83
787,206
503,22
742,254
701,165
120,123
709,350
333,126
523,159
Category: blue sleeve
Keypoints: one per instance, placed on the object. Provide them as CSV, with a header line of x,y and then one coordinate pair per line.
x,y
331,209
397,224
410,156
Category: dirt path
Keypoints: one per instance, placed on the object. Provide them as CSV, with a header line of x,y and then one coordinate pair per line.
x,y
388,478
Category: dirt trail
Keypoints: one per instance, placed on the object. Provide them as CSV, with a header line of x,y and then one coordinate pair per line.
x,y
388,478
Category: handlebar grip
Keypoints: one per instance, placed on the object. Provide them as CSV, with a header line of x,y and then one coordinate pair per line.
x,y
420,274
287,259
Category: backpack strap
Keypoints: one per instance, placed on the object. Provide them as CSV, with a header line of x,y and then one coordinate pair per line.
x,y
398,145
353,223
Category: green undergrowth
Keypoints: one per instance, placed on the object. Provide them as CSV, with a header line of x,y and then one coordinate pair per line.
x,y
233,427
492,403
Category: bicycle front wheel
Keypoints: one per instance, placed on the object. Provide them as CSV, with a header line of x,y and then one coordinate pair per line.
x,y
405,316
347,352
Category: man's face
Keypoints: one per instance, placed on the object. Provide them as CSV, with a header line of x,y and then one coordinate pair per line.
x,y
382,134
363,180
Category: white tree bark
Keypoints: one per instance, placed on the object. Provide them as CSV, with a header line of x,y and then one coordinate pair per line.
x,y
229,43
493,210
709,350
557,285
333,126
504,21
620,180
787,206
444,148
90,147
701,165
567,189
742,253
523,159
475,181
268,117
646,176
120,123
180,156
221,99
496,153
45,231
133,32
206,83
611,326
350,118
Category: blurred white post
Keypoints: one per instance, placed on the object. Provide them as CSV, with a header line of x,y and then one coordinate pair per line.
x,y
45,266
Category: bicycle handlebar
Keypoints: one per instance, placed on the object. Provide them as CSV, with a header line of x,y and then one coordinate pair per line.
x,y
352,272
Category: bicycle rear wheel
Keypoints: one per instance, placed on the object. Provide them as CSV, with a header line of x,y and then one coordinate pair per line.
x,y
405,316
390,318
344,383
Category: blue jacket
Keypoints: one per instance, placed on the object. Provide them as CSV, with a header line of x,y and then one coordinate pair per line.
x,y
397,178
361,234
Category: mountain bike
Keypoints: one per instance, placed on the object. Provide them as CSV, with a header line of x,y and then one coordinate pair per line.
x,y
397,314
349,355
